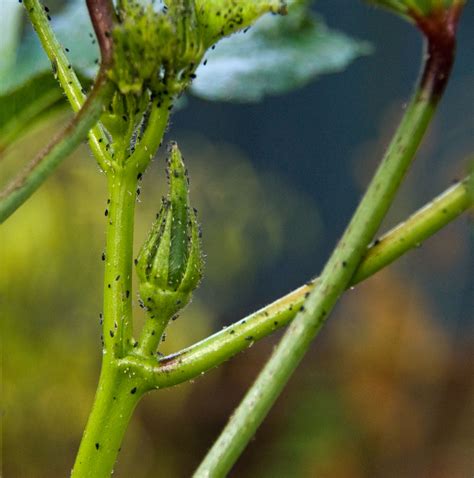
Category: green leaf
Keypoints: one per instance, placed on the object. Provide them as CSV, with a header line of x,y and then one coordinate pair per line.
x,y
26,105
29,103
277,55
221,18
28,89
73,29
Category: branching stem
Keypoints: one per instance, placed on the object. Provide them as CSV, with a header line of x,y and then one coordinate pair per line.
x,y
338,271
119,388
212,351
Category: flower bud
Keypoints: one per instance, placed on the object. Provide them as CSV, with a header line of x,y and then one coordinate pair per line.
x,y
156,49
159,49
170,262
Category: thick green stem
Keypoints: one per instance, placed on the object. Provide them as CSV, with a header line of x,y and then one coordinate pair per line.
x,y
212,351
119,387
334,279
116,395
117,325
116,398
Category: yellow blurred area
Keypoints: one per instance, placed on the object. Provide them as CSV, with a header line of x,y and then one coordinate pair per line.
x,y
383,393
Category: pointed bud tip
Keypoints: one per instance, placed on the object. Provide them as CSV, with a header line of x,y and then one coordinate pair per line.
x,y
175,171
170,262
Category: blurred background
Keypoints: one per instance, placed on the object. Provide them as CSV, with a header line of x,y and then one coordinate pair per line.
x,y
387,388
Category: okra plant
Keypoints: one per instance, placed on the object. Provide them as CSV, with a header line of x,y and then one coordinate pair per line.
x,y
151,53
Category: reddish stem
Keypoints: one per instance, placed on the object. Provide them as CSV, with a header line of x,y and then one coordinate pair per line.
x,y
439,29
103,18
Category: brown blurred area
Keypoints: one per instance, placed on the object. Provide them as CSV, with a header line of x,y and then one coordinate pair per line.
x,y
386,390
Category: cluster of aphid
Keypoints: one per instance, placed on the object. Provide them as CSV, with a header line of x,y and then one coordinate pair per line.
x,y
160,49
125,121
156,50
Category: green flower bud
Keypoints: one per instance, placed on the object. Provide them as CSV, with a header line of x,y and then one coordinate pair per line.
x,y
156,49
159,50
170,262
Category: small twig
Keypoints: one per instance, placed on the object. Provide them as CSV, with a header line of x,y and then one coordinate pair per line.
x,y
439,29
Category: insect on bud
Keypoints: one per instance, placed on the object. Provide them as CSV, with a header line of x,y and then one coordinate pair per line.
x,y
170,262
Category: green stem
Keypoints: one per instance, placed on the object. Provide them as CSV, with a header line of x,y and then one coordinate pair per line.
x,y
36,172
117,395
119,388
212,351
117,324
335,277
152,137
151,335
417,228
65,74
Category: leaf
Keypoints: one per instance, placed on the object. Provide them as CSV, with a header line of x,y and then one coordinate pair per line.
x,y
221,18
277,55
73,28
27,104
28,89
